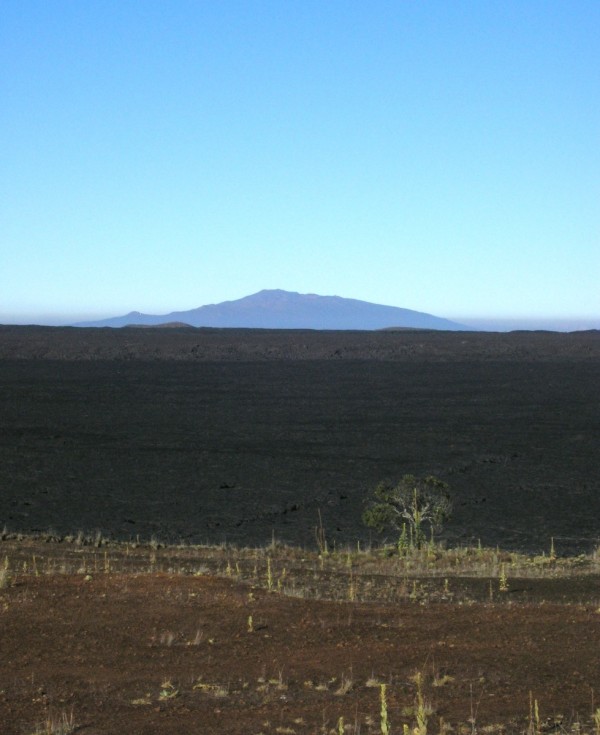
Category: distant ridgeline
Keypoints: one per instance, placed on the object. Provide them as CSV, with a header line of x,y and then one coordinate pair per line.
x,y
276,309
182,343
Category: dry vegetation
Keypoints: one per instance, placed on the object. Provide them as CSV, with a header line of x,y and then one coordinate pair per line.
x,y
352,573
165,639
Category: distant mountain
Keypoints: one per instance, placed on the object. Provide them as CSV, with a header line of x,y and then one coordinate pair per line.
x,y
276,309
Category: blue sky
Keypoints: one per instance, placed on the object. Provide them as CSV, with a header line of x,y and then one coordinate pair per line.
x,y
442,156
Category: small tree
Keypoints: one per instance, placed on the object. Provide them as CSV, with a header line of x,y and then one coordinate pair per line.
x,y
413,502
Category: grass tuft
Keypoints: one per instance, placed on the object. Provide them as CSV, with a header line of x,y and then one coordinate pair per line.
x,y
63,724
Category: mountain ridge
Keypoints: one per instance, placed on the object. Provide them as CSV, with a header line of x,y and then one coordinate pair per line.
x,y
279,309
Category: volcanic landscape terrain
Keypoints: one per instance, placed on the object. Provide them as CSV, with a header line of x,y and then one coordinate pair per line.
x,y
211,435
234,446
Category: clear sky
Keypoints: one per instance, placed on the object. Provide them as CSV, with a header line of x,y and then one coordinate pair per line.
x,y
437,155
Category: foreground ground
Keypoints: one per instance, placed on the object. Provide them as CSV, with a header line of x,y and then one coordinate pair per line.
x,y
110,639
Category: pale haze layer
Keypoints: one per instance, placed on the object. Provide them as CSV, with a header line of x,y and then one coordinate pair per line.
x,y
434,156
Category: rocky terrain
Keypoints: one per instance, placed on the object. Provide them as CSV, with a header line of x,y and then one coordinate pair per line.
x,y
236,435
181,343
248,439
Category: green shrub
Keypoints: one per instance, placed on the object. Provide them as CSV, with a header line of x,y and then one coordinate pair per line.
x,y
418,503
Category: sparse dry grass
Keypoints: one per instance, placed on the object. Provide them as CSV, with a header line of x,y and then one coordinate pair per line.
x,y
423,576
62,724
432,573
5,574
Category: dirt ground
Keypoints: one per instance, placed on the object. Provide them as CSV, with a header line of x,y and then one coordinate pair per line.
x,y
110,641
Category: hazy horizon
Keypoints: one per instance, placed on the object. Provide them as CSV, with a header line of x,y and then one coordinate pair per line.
x,y
480,323
438,157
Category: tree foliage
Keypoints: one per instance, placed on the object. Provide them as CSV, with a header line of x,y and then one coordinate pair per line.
x,y
416,503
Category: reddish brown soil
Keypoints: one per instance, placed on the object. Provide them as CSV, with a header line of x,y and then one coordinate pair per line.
x,y
104,645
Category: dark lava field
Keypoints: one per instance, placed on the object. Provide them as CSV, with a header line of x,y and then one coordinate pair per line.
x,y
208,435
